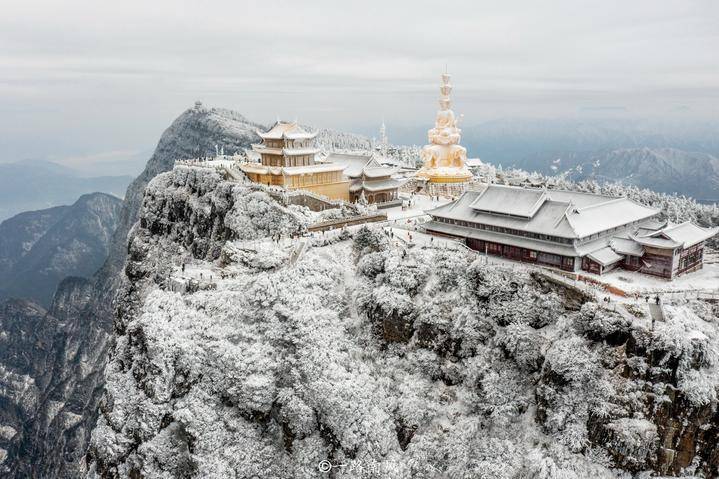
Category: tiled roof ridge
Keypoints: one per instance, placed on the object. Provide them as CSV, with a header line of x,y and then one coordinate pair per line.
x,y
603,203
565,215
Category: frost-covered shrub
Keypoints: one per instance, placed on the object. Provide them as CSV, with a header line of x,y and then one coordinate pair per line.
x,y
684,347
433,324
260,256
572,389
371,265
256,215
392,301
296,414
483,280
699,387
170,453
448,266
599,324
504,395
708,311
368,240
546,309
470,330
523,344
570,360
408,272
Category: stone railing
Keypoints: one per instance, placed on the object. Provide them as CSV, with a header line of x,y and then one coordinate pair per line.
x,y
306,198
388,204
349,221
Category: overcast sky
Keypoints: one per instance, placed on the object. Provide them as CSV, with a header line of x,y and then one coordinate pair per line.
x,y
99,81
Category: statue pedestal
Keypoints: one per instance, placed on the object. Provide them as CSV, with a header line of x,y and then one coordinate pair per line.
x,y
453,190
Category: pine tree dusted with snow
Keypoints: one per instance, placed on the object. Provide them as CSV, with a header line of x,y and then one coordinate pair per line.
x,y
385,360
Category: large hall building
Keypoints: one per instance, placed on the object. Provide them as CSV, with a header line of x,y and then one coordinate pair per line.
x,y
571,230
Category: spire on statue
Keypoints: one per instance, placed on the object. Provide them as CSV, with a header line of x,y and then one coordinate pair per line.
x,y
445,102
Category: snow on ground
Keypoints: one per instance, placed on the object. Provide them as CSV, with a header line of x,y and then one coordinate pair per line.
x,y
419,204
706,279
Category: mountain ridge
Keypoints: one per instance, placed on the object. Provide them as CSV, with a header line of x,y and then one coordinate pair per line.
x,y
40,248
38,184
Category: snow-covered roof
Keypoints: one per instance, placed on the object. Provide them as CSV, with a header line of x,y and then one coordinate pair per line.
x,y
374,172
529,243
266,149
509,201
473,162
626,246
564,214
548,222
686,234
252,155
605,256
286,130
580,199
353,163
392,162
380,185
657,242
316,168
604,216
519,241
300,151
285,151
358,163
289,170
654,224
258,168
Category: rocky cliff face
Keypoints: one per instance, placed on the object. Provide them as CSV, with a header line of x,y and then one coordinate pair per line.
x,y
376,360
40,248
53,434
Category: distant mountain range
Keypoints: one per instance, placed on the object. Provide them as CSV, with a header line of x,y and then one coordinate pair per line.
x,y
39,248
33,185
667,170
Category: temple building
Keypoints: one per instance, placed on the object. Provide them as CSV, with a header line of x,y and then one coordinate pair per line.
x,y
571,230
369,178
287,159
444,170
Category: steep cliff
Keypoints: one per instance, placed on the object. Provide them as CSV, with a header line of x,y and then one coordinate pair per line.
x,y
374,360
80,324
